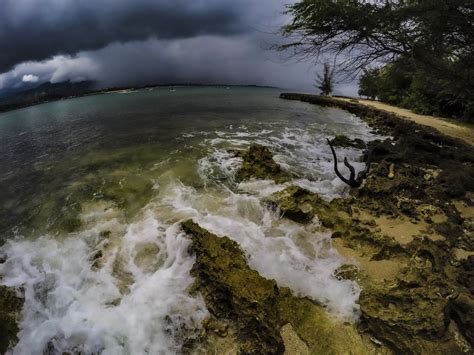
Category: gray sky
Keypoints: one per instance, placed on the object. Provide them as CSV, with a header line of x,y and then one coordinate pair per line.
x,y
134,42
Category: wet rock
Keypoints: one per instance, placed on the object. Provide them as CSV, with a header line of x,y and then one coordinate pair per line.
x,y
407,313
296,203
345,142
235,292
258,163
301,205
148,257
466,274
123,276
256,307
347,272
105,234
293,343
96,259
321,334
220,328
462,310
10,307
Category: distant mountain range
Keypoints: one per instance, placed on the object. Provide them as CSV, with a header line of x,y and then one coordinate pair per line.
x,y
10,100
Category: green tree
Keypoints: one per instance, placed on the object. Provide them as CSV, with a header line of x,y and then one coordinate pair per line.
x,y
325,82
436,36
368,83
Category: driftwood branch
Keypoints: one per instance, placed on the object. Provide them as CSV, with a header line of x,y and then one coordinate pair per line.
x,y
353,181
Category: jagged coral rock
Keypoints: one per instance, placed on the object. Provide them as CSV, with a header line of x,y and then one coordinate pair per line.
x,y
321,335
302,206
296,204
256,306
466,274
10,307
258,163
411,314
462,310
233,291
416,309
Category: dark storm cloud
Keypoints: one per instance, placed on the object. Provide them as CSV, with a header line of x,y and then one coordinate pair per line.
x,y
32,30
133,42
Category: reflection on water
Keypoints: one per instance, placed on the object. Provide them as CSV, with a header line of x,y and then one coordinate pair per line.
x,y
94,189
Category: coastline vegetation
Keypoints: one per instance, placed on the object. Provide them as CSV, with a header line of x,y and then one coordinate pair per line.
x,y
404,84
420,52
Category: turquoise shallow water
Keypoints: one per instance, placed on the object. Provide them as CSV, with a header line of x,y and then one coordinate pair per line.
x,y
93,190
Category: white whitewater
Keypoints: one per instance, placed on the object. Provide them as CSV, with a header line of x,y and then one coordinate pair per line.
x,y
74,307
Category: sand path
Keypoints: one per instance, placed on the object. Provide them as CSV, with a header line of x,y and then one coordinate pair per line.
x,y
449,127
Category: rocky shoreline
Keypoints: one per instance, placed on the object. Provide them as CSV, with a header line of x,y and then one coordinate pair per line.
x,y
407,234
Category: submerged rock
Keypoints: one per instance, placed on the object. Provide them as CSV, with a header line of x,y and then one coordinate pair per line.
x,y
10,307
60,212
130,192
258,163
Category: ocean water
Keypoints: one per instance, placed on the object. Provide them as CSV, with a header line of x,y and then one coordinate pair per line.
x,y
93,191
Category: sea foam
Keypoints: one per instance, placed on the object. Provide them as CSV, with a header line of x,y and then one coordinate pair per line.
x,y
296,256
72,306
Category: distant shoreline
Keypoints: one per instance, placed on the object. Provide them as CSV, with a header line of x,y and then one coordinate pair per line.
x,y
113,90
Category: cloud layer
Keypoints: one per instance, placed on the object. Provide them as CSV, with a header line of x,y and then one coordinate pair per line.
x,y
38,29
123,42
